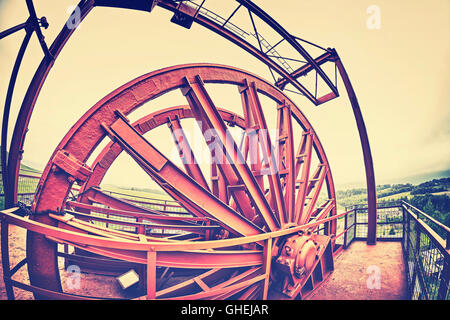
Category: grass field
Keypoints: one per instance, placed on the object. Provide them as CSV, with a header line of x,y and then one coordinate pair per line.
x,y
397,196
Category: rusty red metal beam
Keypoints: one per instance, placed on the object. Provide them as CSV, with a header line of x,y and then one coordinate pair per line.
x,y
227,151
187,189
268,154
147,216
314,187
95,195
186,153
286,157
223,156
303,162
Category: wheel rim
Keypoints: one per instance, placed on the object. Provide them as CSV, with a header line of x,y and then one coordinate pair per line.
x,y
257,207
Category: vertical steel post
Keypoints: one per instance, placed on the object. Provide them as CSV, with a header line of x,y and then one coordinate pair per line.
x,y
447,242
4,139
5,260
266,267
408,239
417,254
151,275
345,230
445,276
8,191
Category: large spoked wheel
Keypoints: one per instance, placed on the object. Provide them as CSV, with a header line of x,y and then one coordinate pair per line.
x,y
272,176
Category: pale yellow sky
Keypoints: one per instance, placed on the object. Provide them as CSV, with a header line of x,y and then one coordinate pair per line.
x,y
400,73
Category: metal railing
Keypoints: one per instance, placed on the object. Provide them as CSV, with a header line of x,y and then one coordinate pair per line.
x,y
425,243
390,221
28,181
426,254
164,205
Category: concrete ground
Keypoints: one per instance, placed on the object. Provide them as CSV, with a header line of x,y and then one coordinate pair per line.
x,y
364,272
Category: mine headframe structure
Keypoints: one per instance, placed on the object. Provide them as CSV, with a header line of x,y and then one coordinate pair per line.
x,y
185,13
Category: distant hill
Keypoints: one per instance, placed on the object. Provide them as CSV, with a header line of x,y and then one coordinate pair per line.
x,y
392,192
414,179
423,177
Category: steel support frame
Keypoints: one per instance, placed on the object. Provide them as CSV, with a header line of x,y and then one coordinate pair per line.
x,y
441,245
257,52
34,89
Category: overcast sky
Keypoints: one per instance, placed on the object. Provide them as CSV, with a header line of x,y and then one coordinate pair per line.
x,y
400,72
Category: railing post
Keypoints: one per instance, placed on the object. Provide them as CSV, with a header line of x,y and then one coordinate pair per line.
x,y
151,275
5,260
345,232
417,269
445,276
417,240
140,229
407,230
447,243
403,228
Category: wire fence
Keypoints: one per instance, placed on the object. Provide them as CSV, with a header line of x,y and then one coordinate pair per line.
x,y
27,184
425,251
426,255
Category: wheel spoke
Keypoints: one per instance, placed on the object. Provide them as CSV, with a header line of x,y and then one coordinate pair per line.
x,y
314,188
287,161
149,216
252,108
251,144
186,153
218,183
321,212
185,190
303,162
241,182
95,195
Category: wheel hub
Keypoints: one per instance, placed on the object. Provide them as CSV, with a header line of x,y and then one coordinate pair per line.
x,y
297,256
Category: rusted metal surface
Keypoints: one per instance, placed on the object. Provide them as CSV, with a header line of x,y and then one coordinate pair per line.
x,y
236,223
